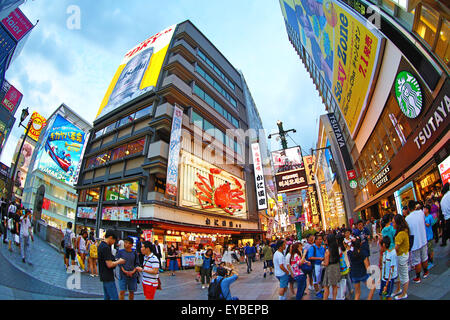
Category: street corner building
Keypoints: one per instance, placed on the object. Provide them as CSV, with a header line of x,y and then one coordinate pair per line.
x,y
382,70
168,155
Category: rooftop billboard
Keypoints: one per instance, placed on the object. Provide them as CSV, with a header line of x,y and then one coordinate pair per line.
x,y
138,72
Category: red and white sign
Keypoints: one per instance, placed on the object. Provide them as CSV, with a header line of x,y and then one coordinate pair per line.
x,y
444,169
17,24
147,235
12,98
259,177
351,175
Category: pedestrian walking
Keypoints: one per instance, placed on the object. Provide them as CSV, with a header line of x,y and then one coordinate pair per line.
x,y
250,253
389,270
309,271
68,245
297,259
106,265
332,274
206,269
172,253
345,286
13,225
387,231
359,263
287,256
445,208
82,249
26,236
316,254
267,258
150,271
198,261
429,222
363,233
281,272
93,256
158,253
402,250
419,252
128,271
227,259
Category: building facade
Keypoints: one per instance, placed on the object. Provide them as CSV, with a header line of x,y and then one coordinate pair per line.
x,y
188,113
54,166
385,78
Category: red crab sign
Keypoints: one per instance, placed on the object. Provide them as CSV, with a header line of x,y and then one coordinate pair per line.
x,y
224,196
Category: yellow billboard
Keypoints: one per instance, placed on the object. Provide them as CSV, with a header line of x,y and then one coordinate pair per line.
x,y
36,123
138,72
341,46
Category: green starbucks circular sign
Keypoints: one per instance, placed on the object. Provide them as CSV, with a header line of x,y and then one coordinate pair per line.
x,y
408,94
353,184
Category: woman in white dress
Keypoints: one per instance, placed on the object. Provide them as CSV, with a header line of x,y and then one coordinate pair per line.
x,y
227,258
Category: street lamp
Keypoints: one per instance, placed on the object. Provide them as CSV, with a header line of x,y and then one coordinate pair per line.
x,y
23,116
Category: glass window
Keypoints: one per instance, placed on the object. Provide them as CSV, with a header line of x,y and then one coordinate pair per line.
x,y
220,135
144,112
110,127
92,195
442,47
230,142
208,127
197,119
160,185
101,159
90,163
237,147
99,133
112,193
82,196
209,100
235,122
129,191
199,92
125,120
426,27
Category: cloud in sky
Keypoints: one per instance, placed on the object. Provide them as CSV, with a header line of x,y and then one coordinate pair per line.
x,y
75,67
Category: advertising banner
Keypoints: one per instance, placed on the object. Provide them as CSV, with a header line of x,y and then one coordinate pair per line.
x,y
308,162
139,71
287,160
38,122
24,162
6,6
8,44
119,213
4,170
17,24
444,169
290,181
207,187
11,98
87,212
259,177
60,151
174,152
342,47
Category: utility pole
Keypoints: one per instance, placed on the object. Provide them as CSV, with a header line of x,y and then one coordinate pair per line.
x,y
282,133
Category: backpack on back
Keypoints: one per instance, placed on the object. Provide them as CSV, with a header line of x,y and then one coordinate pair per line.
x,y
93,253
67,239
215,290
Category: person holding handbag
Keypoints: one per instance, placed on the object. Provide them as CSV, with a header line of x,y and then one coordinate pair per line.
x,y
296,261
206,269
198,261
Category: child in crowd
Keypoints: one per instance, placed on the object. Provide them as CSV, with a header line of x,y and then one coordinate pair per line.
x,y
389,269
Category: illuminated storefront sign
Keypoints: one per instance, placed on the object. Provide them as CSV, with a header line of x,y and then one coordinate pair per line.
x,y
309,165
87,212
290,172
382,177
444,169
408,94
207,187
259,177
291,181
119,213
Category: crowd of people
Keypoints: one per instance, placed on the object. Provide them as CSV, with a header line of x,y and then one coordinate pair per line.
x,y
16,228
337,261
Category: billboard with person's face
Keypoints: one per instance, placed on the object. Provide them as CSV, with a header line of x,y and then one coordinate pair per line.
x,y
138,72
342,48
60,151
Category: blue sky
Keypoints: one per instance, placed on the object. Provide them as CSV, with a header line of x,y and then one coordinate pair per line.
x,y
60,65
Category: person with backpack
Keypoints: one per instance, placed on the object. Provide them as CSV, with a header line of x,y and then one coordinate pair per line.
x,y
69,245
332,274
219,289
13,225
345,286
128,271
267,258
93,255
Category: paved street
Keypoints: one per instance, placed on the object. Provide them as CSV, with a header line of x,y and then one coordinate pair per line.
x,y
46,280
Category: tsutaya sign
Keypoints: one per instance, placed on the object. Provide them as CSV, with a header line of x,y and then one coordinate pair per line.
x,y
341,141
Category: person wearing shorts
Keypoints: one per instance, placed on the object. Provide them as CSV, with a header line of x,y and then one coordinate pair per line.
x,y
315,255
150,271
402,249
281,272
389,269
128,275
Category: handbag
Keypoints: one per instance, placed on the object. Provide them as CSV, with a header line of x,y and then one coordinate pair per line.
x,y
198,262
159,285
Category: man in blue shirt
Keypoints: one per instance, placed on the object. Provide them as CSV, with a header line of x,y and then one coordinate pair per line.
x,y
226,282
316,254
250,253
429,222
363,234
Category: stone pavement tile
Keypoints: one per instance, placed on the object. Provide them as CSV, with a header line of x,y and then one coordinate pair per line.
x,y
426,291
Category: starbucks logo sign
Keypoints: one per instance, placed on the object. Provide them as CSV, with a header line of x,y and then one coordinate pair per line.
x,y
408,94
